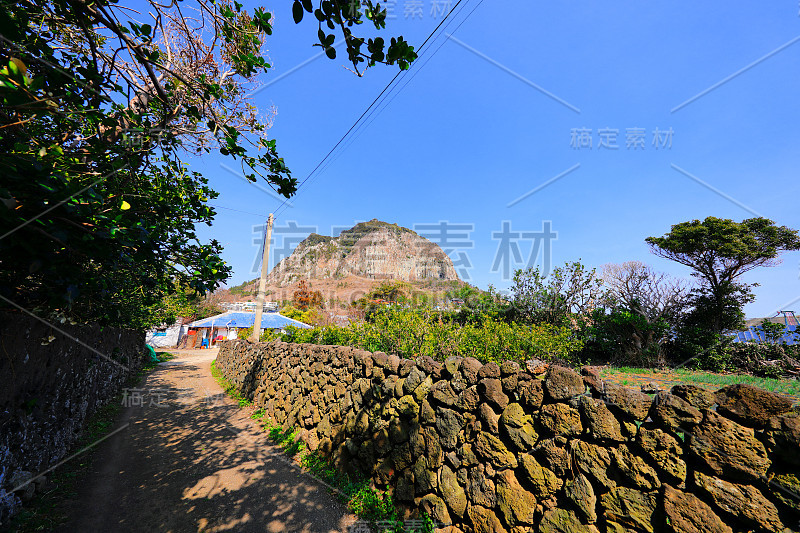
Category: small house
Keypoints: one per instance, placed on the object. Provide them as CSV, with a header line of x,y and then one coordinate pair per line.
x,y
227,325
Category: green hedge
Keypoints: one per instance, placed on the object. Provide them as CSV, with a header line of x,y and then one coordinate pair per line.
x,y
415,333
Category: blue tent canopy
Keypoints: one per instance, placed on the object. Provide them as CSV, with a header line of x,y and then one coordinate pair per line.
x,y
240,319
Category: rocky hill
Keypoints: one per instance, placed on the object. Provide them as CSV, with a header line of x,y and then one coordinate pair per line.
x,y
373,250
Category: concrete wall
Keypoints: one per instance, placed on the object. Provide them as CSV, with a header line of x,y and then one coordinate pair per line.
x,y
50,385
503,448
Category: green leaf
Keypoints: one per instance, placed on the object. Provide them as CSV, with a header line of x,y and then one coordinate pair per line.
x,y
297,11
17,67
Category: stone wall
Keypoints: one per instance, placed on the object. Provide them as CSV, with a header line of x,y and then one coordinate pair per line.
x,y
51,383
503,448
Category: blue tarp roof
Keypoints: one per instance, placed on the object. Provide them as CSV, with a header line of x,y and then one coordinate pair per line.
x,y
243,319
756,333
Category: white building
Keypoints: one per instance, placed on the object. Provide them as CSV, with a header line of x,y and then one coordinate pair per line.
x,y
269,307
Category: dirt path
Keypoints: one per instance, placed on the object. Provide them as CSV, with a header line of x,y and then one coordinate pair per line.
x,y
191,460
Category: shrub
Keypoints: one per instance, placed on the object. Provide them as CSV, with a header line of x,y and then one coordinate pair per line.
x,y
555,297
623,337
415,333
773,331
765,360
372,505
266,336
699,347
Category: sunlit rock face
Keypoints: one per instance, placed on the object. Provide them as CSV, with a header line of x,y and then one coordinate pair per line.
x,y
373,250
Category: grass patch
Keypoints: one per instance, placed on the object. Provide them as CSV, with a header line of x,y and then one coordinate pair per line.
x,y
165,356
368,504
51,508
709,380
229,388
786,386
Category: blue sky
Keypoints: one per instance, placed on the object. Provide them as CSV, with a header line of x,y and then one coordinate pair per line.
x,y
492,116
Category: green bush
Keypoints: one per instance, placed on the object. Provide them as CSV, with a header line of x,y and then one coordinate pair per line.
x,y
721,354
266,336
753,358
704,349
773,331
372,506
623,337
414,333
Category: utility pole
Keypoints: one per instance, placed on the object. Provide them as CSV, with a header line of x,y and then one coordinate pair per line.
x,y
262,283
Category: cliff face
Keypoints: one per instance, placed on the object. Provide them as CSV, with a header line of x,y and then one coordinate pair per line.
x,y
373,250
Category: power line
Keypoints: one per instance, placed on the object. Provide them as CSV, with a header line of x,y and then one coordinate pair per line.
x,y
393,94
237,210
281,207
372,111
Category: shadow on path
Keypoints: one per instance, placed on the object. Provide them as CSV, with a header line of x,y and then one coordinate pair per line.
x,y
191,460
